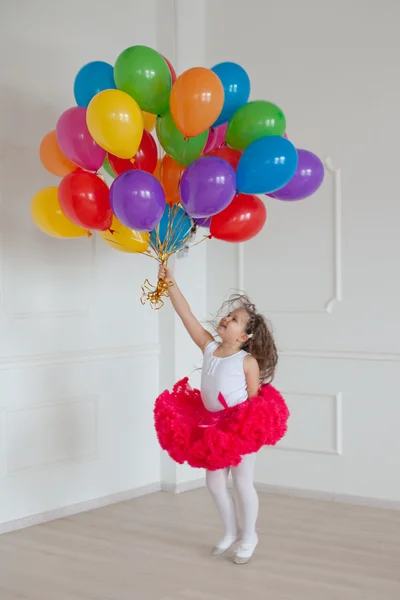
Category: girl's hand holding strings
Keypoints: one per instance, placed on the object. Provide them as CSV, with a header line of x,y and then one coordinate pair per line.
x,y
165,273
199,335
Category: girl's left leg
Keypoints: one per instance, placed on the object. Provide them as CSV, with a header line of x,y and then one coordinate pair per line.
x,y
243,478
217,483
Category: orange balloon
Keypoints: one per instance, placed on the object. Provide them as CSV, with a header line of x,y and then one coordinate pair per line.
x,y
52,158
157,170
149,121
196,101
170,178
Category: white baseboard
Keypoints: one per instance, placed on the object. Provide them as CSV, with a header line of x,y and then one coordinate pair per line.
x,y
74,509
328,496
187,486
294,492
184,486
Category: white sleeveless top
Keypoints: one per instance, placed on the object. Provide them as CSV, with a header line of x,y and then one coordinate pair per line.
x,y
222,376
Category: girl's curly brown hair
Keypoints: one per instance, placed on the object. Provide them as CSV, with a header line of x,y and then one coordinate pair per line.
x,y
261,344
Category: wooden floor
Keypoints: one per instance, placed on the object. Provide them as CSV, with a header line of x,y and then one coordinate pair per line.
x,y
157,548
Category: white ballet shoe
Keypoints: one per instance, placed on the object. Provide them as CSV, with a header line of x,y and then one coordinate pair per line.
x,y
224,545
244,552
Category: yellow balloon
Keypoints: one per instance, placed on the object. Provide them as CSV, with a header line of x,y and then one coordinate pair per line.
x,y
125,239
115,122
149,121
48,217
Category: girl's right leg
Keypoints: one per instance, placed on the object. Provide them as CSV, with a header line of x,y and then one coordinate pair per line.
x,y
217,483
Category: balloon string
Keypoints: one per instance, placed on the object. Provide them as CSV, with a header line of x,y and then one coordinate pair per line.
x,y
149,255
177,233
204,238
155,294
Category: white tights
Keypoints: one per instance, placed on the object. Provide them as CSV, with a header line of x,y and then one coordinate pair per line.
x,y
243,480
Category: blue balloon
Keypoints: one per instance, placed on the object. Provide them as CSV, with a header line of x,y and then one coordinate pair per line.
x,y
236,85
266,165
173,230
93,78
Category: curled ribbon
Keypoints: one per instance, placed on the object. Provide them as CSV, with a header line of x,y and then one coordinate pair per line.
x,y
154,294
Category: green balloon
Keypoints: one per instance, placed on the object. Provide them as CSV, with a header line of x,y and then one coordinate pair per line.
x,y
183,150
107,167
142,73
253,121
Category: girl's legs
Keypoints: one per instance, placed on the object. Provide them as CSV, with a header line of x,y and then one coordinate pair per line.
x,y
243,477
217,483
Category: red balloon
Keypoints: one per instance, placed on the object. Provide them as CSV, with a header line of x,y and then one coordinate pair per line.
x,y
120,165
231,155
145,158
240,221
84,199
171,70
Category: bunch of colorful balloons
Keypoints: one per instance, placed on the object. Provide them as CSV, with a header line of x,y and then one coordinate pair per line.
x,y
221,152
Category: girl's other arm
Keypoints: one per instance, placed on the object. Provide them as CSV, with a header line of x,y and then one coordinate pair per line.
x,y
252,373
199,335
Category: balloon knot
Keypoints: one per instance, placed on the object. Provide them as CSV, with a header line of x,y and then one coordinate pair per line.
x,y
89,234
112,231
154,294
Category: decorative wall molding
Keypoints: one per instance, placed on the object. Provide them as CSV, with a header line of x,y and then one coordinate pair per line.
x,y
94,455
342,355
337,449
337,237
3,443
337,252
52,314
77,356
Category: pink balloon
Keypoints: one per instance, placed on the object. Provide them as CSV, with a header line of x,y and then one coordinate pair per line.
x,y
210,141
220,132
216,137
76,142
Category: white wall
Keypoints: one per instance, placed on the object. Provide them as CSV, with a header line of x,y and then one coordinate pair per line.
x,y
179,356
325,270
78,353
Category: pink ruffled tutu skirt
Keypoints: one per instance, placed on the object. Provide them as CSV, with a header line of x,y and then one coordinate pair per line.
x,y
217,440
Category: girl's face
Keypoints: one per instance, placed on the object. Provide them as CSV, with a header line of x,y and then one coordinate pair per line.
x,y
232,328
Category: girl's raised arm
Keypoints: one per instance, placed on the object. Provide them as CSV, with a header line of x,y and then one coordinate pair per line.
x,y
199,335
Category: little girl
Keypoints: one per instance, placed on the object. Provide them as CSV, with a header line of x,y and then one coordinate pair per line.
x,y
222,427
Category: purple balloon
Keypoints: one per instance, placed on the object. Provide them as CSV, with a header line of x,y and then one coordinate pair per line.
x,y
208,186
307,179
137,200
75,141
203,222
